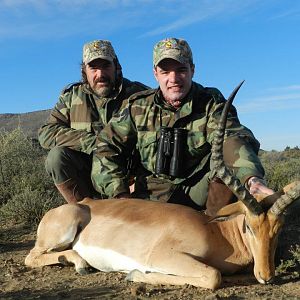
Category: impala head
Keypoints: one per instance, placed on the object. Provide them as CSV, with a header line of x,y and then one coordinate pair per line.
x,y
260,233
263,215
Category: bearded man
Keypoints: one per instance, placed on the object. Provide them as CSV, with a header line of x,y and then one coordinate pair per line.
x,y
83,109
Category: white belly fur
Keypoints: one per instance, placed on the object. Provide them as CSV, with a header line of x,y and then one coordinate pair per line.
x,y
109,260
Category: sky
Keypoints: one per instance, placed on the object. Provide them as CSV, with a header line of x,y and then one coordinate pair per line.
x,y
232,40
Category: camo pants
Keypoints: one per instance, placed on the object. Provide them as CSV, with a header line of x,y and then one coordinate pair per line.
x,y
63,163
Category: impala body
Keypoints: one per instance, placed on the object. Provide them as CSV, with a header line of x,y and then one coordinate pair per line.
x,y
157,241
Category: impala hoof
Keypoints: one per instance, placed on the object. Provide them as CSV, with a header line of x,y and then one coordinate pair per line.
x,y
62,259
82,271
134,275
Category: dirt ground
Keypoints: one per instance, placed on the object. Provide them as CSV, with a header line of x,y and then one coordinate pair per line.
x,y
61,282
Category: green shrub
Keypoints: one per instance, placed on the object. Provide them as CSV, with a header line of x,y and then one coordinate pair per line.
x,y
292,264
281,167
26,191
28,206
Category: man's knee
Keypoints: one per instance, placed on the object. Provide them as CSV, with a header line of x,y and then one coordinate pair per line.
x,y
61,164
57,157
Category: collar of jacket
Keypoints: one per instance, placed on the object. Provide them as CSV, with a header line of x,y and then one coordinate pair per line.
x,y
186,108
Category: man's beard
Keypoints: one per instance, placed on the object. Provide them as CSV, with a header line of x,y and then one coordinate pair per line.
x,y
104,91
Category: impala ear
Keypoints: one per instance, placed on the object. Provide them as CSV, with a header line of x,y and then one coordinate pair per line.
x,y
229,211
268,200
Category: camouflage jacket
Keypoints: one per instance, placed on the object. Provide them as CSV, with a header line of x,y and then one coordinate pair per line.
x,y
138,125
80,115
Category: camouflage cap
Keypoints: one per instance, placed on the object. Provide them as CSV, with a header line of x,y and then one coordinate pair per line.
x,y
177,49
98,49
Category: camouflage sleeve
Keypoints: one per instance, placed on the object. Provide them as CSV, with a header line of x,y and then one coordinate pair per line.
x,y
114,145
240,146
58,132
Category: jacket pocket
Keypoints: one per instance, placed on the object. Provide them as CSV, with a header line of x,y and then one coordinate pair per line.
x,y
147,145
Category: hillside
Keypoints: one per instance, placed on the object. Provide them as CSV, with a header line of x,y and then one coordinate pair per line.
x,y
29,122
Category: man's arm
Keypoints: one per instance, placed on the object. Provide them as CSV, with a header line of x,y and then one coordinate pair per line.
x,y
58,132
115,144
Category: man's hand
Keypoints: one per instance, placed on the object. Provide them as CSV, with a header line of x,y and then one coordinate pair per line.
x,y
132,188
257,186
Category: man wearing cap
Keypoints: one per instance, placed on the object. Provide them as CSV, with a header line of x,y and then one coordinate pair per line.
x,y
178,111
81,112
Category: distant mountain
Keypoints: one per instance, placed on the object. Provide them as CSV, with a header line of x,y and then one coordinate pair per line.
x,y
28,122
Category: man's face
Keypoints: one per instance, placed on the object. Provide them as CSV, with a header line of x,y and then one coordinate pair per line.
x,y
101,76
175,80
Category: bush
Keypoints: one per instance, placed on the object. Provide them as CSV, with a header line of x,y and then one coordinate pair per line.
x,y
292,264
281,167
26,191
28,206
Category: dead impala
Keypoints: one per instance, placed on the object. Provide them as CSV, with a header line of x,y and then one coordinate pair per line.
x,y
162,243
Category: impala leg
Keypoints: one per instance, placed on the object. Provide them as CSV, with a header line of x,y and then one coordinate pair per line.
x,y
158,278
181,269
38,258
56,233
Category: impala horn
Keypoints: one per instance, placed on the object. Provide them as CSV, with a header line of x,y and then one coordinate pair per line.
x,y
286,199
221,170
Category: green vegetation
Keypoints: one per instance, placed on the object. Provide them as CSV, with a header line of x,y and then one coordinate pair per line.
x,y
291,264
281,167
27,192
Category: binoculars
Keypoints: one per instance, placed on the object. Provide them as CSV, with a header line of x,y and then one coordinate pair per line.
x,y
171,151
